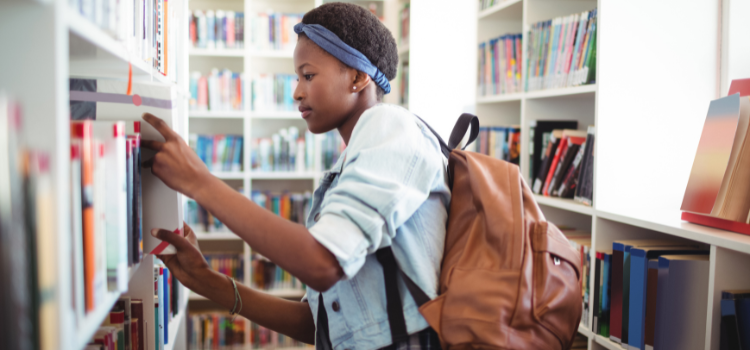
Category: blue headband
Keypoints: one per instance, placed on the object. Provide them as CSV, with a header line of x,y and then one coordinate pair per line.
x,y
330,42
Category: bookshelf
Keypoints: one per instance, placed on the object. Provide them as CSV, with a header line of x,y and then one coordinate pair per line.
x,y
644,150
60,44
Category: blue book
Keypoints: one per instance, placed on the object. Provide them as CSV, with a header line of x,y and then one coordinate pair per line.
x,y
165,307
237,161
639,257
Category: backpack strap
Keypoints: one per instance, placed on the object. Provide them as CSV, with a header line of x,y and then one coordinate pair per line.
x,y
395,309
459,130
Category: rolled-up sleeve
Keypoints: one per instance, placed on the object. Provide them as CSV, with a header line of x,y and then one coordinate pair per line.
x,y
389,170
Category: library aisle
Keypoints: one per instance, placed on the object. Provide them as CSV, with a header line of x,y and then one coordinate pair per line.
x,y
609,109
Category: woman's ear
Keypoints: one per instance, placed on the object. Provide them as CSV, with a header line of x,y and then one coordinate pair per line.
x,y
361,80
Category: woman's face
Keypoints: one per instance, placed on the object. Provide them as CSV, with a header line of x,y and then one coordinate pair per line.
x,y
325,89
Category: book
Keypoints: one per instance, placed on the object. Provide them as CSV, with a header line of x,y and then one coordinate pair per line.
x,y
547,157
76,230
582,244
638,279
273,92
652,280
500,65
681,324
291,206
220,90
273,30
735,319
136,309
739,86
228,154
559,153
538,130
81,133
714,187
205,328
585,189
574,140
113,136
570,180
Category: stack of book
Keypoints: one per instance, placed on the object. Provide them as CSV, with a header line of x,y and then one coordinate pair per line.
x,y
290,206
274,31
264,338
230,264
215,331
563,160
499,62
219,91
717,193
217,30
403,26
268,276
562,52
646,293
274,92
286,150
499,142
331,148
146,28
218,152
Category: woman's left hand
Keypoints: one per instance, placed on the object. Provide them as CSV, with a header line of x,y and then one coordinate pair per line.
x,y
175,163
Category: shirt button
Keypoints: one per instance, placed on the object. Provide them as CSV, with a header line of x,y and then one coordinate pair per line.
x,y
336,306
317,217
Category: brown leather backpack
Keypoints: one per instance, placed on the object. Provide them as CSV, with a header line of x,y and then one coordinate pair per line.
x,y
510,279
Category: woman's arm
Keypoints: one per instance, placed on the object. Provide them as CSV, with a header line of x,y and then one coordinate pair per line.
x,y
289,245
188,265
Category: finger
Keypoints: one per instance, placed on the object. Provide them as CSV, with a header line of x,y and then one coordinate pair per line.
x,y
154,145
173,238
159,125
148,163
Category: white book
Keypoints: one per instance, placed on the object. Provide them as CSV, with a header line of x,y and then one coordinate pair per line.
x,y
210,29
112,135
162,206
100,228
76,228
200,22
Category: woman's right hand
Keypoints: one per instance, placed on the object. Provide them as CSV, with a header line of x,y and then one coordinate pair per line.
x,y
187,265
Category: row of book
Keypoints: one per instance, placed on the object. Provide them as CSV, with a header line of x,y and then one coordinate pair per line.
x,y
499,62
273,92
561,52
650,293
217,29
232,265
221,90
268,276
404,24
215,331
147,28
262,337
27,267
218,152
128,327
499,142
274,31
107,225
562,159
290,206
285,150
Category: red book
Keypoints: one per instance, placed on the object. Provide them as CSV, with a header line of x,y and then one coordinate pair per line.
x,y
136,314
711,221
741,86
558,153
82,133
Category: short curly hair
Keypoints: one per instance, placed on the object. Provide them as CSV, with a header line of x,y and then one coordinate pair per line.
x,y
360,29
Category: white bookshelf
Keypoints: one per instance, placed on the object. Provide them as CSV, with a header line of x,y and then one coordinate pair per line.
x,y
58,43
644,150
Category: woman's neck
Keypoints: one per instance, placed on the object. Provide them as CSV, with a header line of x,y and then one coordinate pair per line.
x,y
367,100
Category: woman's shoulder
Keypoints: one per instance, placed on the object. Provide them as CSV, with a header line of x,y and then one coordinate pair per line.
x,y
388,119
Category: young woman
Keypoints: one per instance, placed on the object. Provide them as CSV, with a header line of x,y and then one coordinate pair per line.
x,y
387,189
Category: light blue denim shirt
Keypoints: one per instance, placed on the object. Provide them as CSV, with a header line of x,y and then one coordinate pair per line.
x,y
388,188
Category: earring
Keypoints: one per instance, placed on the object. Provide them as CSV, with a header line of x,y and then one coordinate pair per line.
x,y
355,88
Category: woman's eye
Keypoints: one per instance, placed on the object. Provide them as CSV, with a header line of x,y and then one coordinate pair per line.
x,y
308,77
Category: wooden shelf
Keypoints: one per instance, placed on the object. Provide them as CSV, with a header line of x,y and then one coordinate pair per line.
x,y
510,9
217,114
276,115
217,52
564,204
216,236
673,225
568,91
282,175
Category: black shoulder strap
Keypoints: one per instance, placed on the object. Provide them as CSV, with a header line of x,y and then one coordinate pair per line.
x,y
463,123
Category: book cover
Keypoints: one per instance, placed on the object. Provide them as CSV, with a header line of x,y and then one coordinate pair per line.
x,y
81,132
541,127
739,86
136,307
547,160
570,180
78,285
585,188
596,294
561,148
638,285
730,332
566,159
713,154
652,281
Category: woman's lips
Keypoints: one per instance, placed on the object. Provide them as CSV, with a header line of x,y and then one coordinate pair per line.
x,y
305,111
